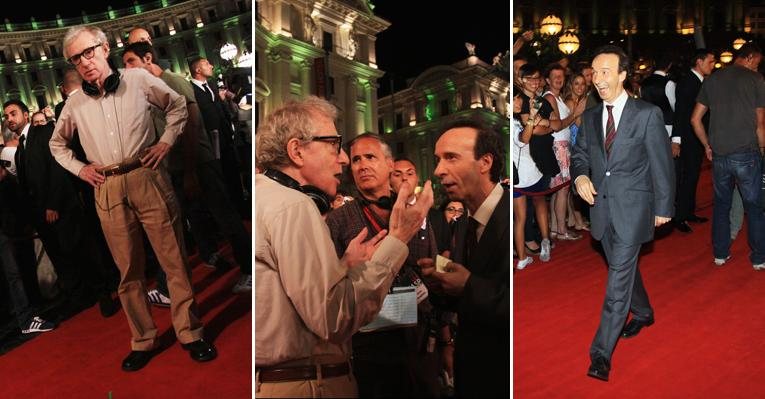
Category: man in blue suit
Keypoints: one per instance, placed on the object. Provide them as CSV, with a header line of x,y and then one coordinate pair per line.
x,y
622,166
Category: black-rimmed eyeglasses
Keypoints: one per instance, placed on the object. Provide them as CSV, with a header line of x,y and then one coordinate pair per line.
x,y
453,209
337,141
88,53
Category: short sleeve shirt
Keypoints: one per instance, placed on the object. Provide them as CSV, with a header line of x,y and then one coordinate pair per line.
x,y
732,96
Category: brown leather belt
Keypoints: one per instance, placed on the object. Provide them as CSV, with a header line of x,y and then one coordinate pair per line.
x,y
120,168
301,373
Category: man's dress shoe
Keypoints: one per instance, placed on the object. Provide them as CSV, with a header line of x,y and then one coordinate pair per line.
x,y
634,326
683,226
200,350
599,368
136,360
696,219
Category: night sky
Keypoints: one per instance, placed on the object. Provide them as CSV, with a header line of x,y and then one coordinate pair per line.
x,y
417,40
67,9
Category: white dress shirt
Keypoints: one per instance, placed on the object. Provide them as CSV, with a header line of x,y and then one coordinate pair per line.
x,y
201,84
9,153
618,104
669,91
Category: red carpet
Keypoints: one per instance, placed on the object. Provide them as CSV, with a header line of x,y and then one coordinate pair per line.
x,y
707,341
82,357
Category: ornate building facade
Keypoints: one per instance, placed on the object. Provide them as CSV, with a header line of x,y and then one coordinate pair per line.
x,y
411,119
31,54
323,47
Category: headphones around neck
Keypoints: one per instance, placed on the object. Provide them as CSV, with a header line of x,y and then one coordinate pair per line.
x,y
111,84
384,202
320,198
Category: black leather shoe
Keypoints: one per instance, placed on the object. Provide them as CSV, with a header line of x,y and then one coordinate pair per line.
x,y
532,251
107,306
634,326
697,219
599,368
136,360
683,226
200,350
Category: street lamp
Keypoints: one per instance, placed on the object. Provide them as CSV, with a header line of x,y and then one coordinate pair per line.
x,y
228,51
550,25
568,43
245,60
738,43
726,57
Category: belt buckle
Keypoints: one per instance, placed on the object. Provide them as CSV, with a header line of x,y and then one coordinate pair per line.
x,y
111,170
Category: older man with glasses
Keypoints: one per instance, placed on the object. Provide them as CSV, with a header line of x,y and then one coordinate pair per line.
x,y
132,188
308,303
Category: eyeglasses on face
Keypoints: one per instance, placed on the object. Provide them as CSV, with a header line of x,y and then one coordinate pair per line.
x,y
335,140
453,209
88,53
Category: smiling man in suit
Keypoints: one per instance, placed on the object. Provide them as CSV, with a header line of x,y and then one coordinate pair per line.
x,y
622,166
470,163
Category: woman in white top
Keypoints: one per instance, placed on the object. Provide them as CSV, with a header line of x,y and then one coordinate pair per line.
x,y
530,179
556,78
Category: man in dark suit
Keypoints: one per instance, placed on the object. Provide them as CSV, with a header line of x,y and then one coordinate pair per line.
x,y
218,125
470,162
53,205
622,165
690,150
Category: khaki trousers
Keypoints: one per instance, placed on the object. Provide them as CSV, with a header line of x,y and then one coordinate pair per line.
x,y
343,386
144,198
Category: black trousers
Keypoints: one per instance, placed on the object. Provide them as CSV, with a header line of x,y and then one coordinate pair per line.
x,y
20,305
212,201
688,169
624,293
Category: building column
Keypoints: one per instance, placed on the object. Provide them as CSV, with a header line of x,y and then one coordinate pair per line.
x,y
279,59
351,87
305,77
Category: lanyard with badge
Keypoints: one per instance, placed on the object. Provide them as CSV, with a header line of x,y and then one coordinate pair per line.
x,y
399,309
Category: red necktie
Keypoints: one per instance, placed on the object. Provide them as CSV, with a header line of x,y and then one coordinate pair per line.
x,y
610,129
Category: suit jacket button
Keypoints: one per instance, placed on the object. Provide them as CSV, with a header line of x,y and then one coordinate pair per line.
x,y
608,173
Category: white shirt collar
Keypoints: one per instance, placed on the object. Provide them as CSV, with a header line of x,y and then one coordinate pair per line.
x,y
698,75
25,130
660,73
484,212
620,100
200,83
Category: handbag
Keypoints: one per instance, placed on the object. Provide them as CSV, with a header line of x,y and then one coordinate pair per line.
x,y
543,155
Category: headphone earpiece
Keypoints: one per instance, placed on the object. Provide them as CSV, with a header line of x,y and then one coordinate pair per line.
x,y
111,84
320,198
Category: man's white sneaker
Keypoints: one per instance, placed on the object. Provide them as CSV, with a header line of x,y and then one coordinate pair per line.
x,y
721,261
544,255
525,262
156,298
759,266
243,285
37,324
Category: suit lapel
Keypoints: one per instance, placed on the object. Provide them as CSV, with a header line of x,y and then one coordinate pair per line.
x,y
597,122
495,231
